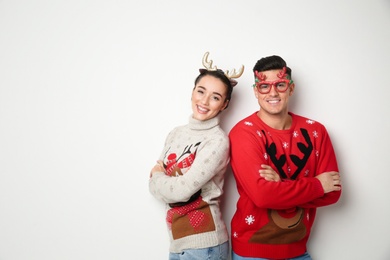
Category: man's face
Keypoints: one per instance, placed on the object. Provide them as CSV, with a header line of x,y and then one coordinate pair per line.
x,y
274,102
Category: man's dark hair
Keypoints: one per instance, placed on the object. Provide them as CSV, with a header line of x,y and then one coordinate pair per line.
x,y
271,63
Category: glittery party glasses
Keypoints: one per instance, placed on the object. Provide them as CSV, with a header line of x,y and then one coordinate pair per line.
x,y
281,85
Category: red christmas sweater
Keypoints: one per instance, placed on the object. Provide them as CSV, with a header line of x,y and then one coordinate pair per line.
x,y
273,219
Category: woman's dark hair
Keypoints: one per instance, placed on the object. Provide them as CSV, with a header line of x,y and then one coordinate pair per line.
x,y
219,74
271,63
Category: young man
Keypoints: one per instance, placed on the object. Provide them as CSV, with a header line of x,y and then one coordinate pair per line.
x,y
285,167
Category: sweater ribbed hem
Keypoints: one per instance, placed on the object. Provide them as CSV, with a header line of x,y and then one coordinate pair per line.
x,y
269,251
208,239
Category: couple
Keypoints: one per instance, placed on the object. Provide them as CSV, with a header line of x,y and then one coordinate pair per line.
x,y
284,166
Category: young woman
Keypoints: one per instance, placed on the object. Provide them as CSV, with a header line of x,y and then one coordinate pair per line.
x,y
189,174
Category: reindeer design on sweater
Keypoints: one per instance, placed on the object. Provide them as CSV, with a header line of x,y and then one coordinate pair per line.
x,y
195,212
285,222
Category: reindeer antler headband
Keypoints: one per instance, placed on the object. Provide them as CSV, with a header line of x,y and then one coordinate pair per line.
x,y
230,75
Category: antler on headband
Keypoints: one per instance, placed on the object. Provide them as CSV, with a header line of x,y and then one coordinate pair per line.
x,y
231,75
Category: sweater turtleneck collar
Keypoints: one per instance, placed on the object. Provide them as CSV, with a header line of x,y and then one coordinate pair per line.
x,y
196,124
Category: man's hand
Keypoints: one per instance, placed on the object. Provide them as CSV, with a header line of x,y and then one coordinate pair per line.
x,y
330,181
268,173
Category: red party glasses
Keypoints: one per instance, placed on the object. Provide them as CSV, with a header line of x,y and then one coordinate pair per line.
x,y
281,85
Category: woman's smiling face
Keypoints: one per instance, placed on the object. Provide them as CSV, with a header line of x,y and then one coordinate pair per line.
x,y
208,98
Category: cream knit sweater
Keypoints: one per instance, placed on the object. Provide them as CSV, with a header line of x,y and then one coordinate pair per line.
x,y
195,158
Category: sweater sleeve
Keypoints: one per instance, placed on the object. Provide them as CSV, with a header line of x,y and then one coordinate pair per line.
x,y
211,159
247,155
326,162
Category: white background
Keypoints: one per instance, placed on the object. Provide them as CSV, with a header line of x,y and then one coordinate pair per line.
x,y
90,89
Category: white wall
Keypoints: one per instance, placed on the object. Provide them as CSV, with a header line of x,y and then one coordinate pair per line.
x,y
89,90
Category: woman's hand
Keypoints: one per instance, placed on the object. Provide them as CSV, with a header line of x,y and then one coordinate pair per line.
x,y
159,167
